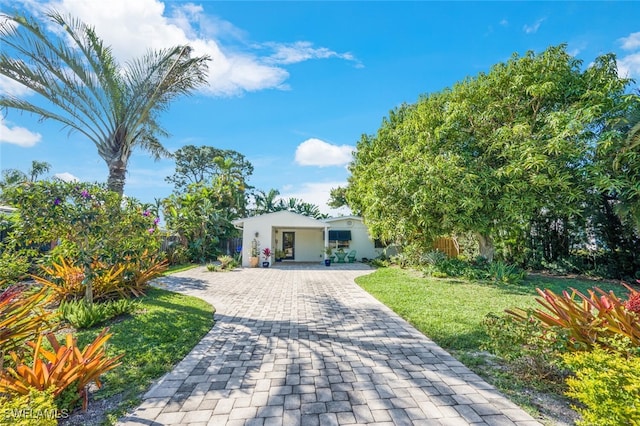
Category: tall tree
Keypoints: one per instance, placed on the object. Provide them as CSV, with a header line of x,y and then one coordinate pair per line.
x,y
38,168
265,202
115,107
201,164
490,154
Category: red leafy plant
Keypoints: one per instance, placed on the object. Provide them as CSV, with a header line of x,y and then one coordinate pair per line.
x,y
591,320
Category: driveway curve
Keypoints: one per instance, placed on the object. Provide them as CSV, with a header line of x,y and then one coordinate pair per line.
x,y
304,345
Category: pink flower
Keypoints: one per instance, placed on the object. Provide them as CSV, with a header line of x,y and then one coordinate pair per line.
x,y
151,230
156,220
146,213
85,194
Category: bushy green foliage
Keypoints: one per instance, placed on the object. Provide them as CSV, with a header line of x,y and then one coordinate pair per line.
x,y
14,266
433,257
500,272
202,215
607,385
83,315
520,156
532,352
38,408
91,223
227,263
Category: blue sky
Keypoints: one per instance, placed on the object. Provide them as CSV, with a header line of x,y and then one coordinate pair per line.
x,y
293,85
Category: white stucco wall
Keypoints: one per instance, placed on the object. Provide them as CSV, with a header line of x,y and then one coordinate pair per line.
x,y
360,240
309,241
309,244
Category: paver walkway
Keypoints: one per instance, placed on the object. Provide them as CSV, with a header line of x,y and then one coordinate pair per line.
x,y
305,345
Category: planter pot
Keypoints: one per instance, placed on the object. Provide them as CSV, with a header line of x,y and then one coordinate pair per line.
x,y
327,262
265,264
253,262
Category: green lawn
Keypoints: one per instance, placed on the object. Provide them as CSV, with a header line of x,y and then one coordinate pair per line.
x,y
164,330
451,311
179,268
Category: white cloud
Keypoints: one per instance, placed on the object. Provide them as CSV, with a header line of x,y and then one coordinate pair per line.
x,y
131,28
11,88
291,53
315,193
631,42
504,23
533,28
66,177
17,135
314,152
629,66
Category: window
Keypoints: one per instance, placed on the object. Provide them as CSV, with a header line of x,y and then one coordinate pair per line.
x,y
339,239
337,244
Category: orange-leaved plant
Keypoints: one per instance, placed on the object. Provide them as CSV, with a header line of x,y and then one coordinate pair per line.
x,y
60,368
23,315
590,320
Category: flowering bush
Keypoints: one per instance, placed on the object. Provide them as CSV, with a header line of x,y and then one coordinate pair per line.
x,y
88,222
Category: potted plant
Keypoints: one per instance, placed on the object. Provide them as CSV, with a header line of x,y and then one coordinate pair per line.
x,y
267,257
279,255
329,256
255,254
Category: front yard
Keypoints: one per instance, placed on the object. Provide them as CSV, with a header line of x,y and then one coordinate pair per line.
x,y
451,312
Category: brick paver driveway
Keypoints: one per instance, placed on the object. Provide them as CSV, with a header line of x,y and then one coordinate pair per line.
x,y
305,345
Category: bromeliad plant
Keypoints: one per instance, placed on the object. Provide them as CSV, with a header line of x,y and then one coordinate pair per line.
x,y
23,316
593,320
62,367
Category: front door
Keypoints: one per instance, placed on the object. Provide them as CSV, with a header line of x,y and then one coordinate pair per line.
x,y
288,245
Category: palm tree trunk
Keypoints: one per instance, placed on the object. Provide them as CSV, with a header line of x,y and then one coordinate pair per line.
x,y
117,176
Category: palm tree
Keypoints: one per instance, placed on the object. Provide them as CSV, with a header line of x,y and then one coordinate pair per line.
x,y
266,201
115,107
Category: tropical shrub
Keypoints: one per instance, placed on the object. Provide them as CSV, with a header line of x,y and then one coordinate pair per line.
x,y
37,408
139,270
589,320
23,315
14,266
607,386
434,257
201,216
500,272
91,223
532,352
81,314
227,263
60,368
65,279
125,279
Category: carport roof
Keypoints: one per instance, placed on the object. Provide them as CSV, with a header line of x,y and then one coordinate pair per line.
x,y
283,219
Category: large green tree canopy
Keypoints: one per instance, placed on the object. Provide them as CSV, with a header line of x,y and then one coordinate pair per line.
x,y
86,89
492,153
202,164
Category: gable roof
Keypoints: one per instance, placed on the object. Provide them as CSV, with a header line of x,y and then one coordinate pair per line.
x,y
335,219
283,219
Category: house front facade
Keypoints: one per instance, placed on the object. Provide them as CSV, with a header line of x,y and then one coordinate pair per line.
x,y
301,238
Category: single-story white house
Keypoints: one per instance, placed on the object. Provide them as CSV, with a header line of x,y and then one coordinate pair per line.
x,y
302,238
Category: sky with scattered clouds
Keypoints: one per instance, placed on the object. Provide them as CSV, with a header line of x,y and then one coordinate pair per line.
x,y
294,85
